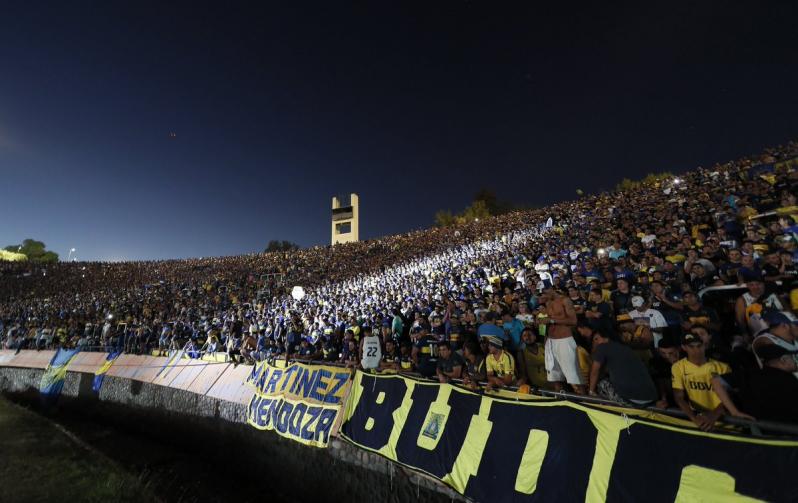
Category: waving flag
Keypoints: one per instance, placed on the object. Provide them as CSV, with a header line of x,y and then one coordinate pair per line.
x,y
99,376
53,378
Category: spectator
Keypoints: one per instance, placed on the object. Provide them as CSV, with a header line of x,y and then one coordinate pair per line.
x,y
696,314
423,354
562,363
598,313
370,349
751,305
770,393
665,356
691,379
627,378
531,361
450,364
781,333
475,371
499,364
643,314
490,329
512,330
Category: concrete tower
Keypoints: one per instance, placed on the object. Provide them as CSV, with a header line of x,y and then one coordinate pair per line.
x,y
345,219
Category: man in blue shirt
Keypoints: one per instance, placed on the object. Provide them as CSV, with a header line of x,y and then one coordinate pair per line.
x,y
490,327
512,329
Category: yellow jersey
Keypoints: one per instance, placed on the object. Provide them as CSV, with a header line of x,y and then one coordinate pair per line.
x,y
535,366
696,381
504,365
585,362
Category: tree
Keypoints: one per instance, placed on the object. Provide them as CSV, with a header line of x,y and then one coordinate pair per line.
x,y
484,205
280,246
444,218
35,251
478,209
649,179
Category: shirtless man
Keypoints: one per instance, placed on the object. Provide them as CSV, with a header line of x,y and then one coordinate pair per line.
x,y
560,350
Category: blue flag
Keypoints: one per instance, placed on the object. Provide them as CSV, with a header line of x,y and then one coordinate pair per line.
x,y
53,378
99,376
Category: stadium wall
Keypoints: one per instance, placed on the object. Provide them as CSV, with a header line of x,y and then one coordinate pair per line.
x,y
199,392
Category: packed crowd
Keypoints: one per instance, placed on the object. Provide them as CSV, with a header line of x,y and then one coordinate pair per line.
x,y
605,295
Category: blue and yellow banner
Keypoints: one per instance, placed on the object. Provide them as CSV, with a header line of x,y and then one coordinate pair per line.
x,y
99,376
301,402
491,448
53,378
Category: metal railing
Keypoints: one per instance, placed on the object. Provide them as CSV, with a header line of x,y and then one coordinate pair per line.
x,y
755,428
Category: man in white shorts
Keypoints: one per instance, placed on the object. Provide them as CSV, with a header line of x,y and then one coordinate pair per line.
x,y
562,364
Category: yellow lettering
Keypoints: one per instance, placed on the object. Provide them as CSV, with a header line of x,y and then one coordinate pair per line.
x,y
703,484
467,463
526,481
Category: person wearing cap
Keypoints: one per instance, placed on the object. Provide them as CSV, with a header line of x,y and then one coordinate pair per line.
x,y
780,333
643,314
769,393
691,379
499,364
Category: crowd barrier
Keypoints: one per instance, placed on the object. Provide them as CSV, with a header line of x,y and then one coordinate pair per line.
x,y
223,381
497,447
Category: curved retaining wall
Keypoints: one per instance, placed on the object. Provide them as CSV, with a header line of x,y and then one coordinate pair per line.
x,y
201,390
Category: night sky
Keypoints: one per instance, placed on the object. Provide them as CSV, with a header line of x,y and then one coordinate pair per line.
x,y
413,106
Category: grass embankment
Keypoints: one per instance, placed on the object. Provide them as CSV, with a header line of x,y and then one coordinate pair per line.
x,y
40,462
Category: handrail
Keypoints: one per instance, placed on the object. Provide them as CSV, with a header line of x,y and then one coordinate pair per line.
x,y
755,427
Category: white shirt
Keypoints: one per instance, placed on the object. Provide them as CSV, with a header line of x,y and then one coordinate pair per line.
x,y
655,319
652,319
372,352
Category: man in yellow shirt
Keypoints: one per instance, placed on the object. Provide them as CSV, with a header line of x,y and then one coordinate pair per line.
x,y
692,383
499,364
531,361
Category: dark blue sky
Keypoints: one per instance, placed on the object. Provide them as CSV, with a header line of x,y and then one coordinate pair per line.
x,y
414,106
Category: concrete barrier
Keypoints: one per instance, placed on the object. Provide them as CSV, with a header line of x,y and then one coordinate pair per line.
x,y
231,385
196,389
5,357
190,370
150,366
31,359
87,362
207,378
126,366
